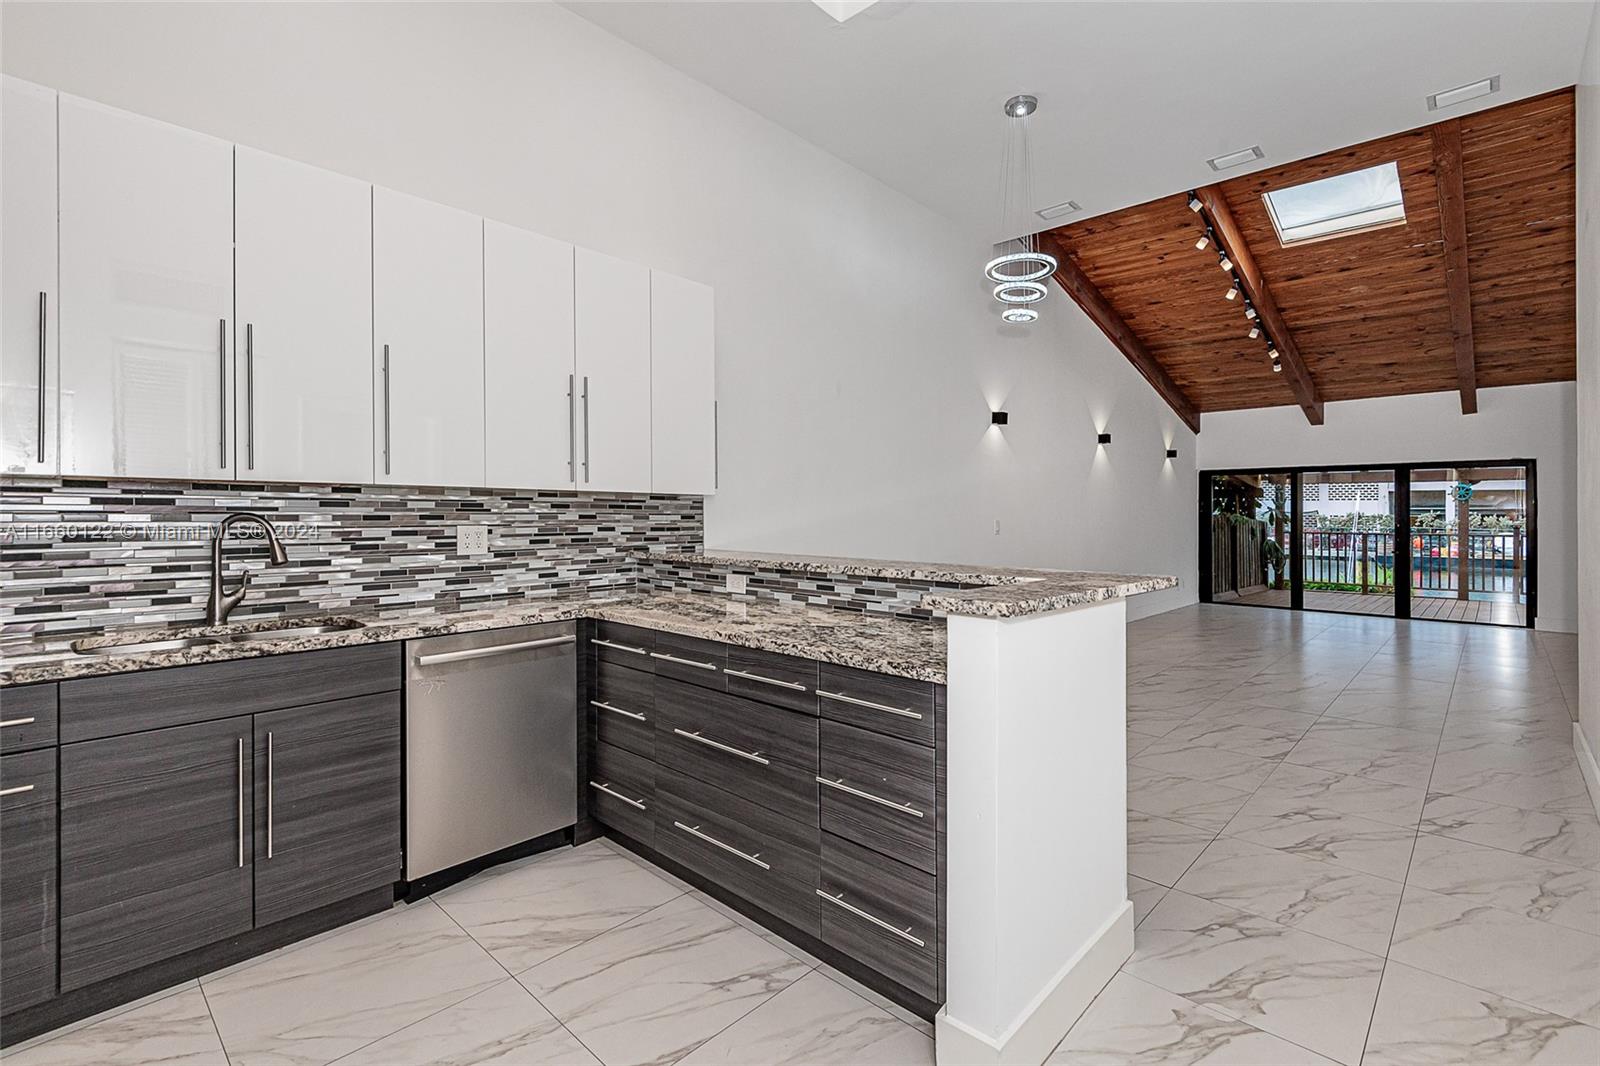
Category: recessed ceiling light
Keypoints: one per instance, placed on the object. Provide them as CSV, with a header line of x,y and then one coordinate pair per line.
x,y
1462,93
1058,210
1236,159
842,10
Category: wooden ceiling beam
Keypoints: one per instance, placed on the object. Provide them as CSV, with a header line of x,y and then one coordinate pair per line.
x,y
1255,287
1076,284
1458,281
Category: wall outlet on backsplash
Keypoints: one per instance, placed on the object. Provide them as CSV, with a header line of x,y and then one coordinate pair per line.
x,y
738,582
472,540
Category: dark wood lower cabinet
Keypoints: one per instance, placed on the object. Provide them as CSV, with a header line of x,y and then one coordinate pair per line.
x,y
27,879
156,846
327,803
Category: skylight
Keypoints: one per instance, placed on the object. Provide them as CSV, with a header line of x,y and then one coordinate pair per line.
x,y
1332,207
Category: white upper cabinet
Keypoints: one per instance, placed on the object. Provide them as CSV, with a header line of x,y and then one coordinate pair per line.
x,y
530,395
146,246
303,339
28,297
612,298
683,386
427,303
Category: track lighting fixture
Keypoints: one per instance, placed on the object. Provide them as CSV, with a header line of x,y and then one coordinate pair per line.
x,y
1250,311
1194,203
1255,331
1272,351
1205,239
1277,367
1233,291
1223,261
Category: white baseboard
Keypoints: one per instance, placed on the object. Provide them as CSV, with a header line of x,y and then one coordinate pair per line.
x,y
1587,763
1038,1030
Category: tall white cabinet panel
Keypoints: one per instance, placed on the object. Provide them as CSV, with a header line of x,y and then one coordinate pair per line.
x,y
427,304
28,296
303,339
683,386
147,296
530,396
612,300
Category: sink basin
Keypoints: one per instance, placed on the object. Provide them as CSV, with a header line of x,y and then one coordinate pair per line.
x,y
275,629
149,647
290,633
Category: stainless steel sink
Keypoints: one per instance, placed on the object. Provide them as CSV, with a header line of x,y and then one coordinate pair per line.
x,y
150,647
179,640
290,633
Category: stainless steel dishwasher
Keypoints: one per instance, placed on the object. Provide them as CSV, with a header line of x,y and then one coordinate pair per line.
x,y
491,742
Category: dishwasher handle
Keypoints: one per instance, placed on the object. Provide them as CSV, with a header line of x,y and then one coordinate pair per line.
x,y
494,649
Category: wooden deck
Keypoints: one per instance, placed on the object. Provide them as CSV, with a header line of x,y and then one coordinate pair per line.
x,y
1440,608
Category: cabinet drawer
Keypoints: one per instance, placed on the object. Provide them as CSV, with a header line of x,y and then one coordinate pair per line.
x,y
130,703
623,645
27,717
698,662
879,791
622,791
27,878
746,849
763,753
898,706
623,707
779,679
881,913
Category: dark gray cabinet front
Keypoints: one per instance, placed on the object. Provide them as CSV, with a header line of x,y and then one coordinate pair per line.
x,y
27,879
156,846
327,803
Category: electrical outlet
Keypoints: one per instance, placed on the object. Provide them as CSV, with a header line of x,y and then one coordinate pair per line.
x,y
472,540
997,527
738,582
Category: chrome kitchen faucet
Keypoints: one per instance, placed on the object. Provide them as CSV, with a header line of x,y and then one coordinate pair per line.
x,y
220,603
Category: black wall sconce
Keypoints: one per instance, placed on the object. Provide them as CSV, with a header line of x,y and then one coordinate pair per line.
x,y
1172,453
1105,438
998,418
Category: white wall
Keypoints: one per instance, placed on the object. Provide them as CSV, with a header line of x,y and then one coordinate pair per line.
x,y
857,349
1589,401
1536,422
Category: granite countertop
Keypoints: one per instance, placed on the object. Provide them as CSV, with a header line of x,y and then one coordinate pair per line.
x,y
992,592
883,644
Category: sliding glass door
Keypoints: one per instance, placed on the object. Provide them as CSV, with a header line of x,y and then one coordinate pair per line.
x,y
1469,543
1347,542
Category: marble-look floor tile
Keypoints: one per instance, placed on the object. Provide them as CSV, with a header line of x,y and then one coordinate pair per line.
x,y
1134,1023
1182,799
336,995
1359,844
1535,888
1308,894
653,990
1301,987
1156,721
1376,709
111,1012
877,999
1293,787
816,1021
1237,735
1306,693
1160,849
1558,788
1375,737
1533,962
1137,742
1560,837
504,1024
172,1030
755,927
1144,895
1395,767
1424,1018
1229,769
527,911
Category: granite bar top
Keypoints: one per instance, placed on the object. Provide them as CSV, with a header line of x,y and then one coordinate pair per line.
x,y
989,592
914,649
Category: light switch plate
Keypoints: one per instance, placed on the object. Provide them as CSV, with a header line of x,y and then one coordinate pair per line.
x,y
472,540
738,582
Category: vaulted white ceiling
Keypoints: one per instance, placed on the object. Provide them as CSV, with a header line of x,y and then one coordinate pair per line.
x,y
1134,96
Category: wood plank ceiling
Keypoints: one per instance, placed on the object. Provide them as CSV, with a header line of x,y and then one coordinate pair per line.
x,y
1371,313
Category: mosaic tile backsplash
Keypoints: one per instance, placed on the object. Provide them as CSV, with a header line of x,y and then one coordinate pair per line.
x,y
82,555
847,592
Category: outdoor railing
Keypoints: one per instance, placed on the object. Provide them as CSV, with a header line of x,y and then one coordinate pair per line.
x,y
1440,561
1350,562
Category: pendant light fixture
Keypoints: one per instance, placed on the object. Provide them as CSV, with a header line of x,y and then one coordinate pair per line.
x,y
1018,269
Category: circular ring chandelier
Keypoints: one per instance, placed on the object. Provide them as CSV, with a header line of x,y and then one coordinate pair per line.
x,y
1020,314
1020,269
1020,292
1020,266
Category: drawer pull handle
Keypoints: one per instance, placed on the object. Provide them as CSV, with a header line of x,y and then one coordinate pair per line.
x,y
13,790
493,649
621,647
16,721
694,831
797,687
614,794
753,756
683,662
635,715
838,783
903,934
903,712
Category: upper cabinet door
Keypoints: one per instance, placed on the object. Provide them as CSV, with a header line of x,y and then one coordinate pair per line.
x,y
612,297
28,302
530,393
303,342
147,258
683,386
427,302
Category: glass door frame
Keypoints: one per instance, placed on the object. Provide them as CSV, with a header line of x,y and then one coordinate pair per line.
x,y
1402,521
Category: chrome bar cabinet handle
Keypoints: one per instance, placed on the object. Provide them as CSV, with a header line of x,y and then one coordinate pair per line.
x,y
15,789
794,685
496,649
222,393
694,831
683,662
572,428
753,756
44,330
387,468
839,785
241,803
269,793
16,721
903,934
249,396
586,429
620,647
635,715
903,712
614,794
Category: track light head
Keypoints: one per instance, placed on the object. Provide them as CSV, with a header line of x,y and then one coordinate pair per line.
x,y
1255,331
1233,292
1277,367
1223,261
1250,311
1194,203
1200,245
